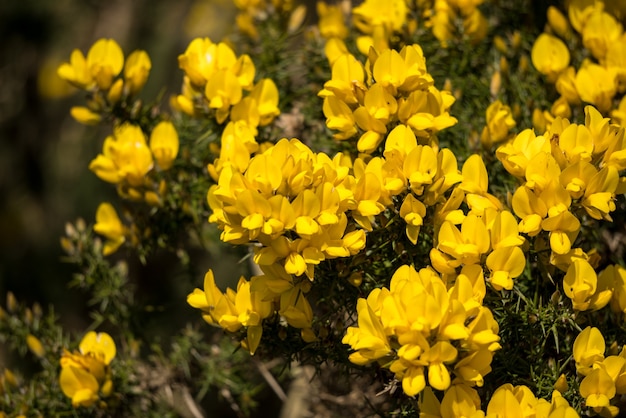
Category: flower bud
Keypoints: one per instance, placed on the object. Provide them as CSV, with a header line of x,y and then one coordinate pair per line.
x,y
558,23
35,346
11,302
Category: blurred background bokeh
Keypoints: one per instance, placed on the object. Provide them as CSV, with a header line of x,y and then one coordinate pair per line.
x,y
44,153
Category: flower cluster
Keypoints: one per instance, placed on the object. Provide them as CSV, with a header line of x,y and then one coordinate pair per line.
x,y
463,401
85,374
599,78
569,169
604,377
487,235
423,330
216,79
127,158
98,72
392,89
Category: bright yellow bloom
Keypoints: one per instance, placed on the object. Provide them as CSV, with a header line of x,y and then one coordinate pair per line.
x,y
339,118
499,122
505,263
600,31
347,78
105,60
85,375
136,71
466,245
461,400
516,155
599,196
232,310
125,157
595,85
85,115
109,225
414,310
598,389
265,95
331,22
550,55
203,58
420,167
103,63
616,274
558,22
566,86
164,144
588,349
476,184
580,10
377,13
564,229
413,212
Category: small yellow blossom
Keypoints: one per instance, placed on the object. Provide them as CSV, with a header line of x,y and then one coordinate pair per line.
x,y
331,21
499,122
164,144
136,71
595,85
550,55
125,157
86,375
109,225
35,346
103,63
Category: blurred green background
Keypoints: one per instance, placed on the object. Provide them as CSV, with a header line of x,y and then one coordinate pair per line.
x,y
44,153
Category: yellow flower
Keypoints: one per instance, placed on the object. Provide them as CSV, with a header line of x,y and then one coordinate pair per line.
x,y
413,212
109,225
265,94
505,263
466,245
85,115
598,389
331,21
339,118
566,85
103,63
99,345
475,26
616,274
86,374
461,400
549,55
580,10
125,157
203,58
588,349
105,60
164,144
136,71
596,85
558,22
372,13
499,122
347,80
516,155
599,196
600,31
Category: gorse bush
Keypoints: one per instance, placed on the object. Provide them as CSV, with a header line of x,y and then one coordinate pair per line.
x,y
428,197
